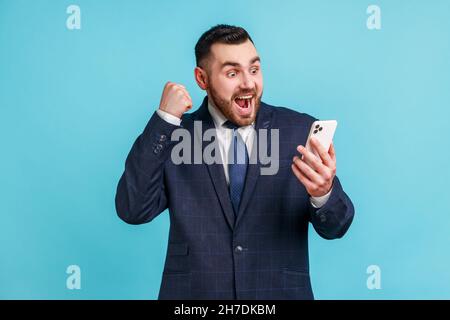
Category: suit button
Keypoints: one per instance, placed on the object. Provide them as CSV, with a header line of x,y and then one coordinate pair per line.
x,y
238,249
157,148
323,218
162,138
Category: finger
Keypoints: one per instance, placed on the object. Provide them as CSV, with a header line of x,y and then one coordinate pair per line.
x,y
323,153
188,96
332,152
182,89
186,93
303,179
311,159
188,103
171,85
308,171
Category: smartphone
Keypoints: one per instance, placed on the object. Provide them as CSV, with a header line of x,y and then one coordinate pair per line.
x,y
322,130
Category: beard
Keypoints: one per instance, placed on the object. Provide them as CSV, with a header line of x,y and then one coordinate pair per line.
x,y
228,109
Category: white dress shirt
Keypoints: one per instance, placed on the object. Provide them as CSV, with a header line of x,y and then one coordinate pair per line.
x,y
224,136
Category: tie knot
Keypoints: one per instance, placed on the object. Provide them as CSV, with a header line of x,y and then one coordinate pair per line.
x,y
230,125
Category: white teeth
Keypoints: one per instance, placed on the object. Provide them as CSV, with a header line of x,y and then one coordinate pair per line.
x,y
244,97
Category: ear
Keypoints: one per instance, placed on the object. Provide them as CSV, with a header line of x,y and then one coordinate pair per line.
x,y
201,77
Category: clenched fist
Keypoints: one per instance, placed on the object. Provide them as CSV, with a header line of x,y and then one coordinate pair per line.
x,y
175,99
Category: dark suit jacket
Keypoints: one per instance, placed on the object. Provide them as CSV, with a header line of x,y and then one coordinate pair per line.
x,y
261,254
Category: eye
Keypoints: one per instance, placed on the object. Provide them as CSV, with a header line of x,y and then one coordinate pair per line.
x,y
231,74
254,71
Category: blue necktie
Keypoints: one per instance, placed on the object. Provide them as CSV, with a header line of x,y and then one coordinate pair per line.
x,y
237,166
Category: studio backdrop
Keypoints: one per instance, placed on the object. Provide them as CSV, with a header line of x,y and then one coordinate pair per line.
x,y
80,79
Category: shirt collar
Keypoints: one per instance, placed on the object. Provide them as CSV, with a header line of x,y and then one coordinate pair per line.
x,y
218,117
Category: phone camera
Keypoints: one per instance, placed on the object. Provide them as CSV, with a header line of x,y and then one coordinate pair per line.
x,y
318,128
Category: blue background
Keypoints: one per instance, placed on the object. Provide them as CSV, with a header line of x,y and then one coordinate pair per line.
x,y
72,103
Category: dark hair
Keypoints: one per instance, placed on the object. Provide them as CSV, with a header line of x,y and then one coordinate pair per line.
x,y
221,33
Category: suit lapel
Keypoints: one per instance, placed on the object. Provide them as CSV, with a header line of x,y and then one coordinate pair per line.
x,y
254,170
215,170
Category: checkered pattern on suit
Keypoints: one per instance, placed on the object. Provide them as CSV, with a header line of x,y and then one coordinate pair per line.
x,y
211,254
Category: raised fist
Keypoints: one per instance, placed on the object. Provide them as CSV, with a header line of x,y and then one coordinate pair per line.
x,y
175,99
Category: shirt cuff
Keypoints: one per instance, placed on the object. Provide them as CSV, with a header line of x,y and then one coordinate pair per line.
x,y
318,202
169,117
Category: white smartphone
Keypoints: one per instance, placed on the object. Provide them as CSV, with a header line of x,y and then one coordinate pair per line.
x,y
322,130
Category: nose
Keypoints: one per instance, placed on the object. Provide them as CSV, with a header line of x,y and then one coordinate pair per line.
x,y
246,82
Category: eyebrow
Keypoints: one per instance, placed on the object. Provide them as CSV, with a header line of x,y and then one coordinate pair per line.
x,y
236,64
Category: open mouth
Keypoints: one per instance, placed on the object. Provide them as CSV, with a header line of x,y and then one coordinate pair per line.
x,y
244,104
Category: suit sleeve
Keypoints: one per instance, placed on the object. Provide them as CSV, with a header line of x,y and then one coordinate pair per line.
x,y
332,220
141,194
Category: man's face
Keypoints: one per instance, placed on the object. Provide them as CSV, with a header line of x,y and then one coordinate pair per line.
x,y
235,81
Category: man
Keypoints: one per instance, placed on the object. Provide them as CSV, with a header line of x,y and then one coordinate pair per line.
x,y
234,233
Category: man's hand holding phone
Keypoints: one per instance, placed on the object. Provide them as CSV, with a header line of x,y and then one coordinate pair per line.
x,y
316,172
